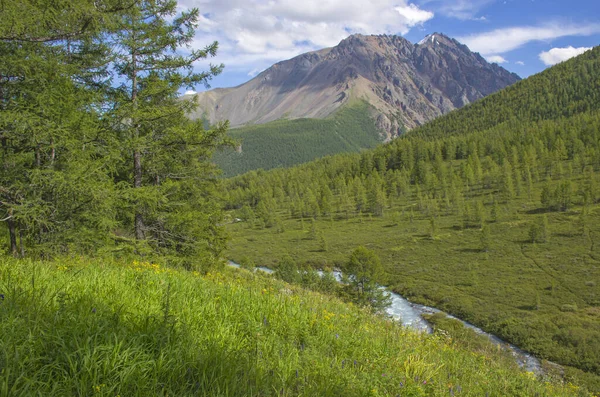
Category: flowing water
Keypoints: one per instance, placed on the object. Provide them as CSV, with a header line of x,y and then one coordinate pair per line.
x,y
411,315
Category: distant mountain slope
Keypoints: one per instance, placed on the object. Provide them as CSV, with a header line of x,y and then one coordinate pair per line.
x,y
407,84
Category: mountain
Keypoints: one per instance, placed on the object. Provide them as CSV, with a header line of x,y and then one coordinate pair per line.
x,y
406,84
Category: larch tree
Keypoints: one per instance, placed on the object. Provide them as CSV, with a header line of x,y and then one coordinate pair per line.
x,y
362,270
166,178
52,151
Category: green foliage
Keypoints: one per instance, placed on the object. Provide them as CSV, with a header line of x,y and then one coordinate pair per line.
x,y
56,159
539,231
323,246
285,143
287,270
486,238
247,263
432,227
363,269
96,150
139,329
165,180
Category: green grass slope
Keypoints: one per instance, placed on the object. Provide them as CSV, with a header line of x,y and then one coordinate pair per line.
x,y
91,328
284,143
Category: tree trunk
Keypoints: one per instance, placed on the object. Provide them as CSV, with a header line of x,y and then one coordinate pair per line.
x,y
12,231
137,155
21,243
137,183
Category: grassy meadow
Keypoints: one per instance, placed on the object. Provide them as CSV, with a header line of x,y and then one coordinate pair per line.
x,y
100,328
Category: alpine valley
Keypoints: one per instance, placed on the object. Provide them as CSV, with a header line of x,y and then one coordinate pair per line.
x,y
429,225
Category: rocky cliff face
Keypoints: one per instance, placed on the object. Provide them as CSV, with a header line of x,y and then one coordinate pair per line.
x,y
406,84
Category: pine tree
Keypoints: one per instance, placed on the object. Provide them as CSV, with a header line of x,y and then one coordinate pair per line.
x,y
564,194
486,238
507,186
288,270
323,246
432,227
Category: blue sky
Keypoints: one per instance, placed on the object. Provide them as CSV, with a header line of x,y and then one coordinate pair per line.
x,y
523,36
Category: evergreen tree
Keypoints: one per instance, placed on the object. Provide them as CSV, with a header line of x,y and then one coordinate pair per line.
x,y
362,269
548,197
376,201
486,238
432,227
323,247
55,190
564,194
288,270
166,181
507,187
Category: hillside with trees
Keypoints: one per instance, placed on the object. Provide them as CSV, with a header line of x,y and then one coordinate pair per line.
x,y
285,143
490,213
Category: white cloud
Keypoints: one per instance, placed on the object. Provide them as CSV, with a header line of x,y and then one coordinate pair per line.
x,y
520,63
557,55
496,59
503,40
253,34
414,15
190,92
254,72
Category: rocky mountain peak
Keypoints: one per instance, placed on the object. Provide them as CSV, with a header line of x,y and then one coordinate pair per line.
x,y
406,84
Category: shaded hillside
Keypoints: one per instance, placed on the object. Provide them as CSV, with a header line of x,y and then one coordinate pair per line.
x,y
408,84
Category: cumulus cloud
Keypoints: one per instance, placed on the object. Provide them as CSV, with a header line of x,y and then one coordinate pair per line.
x,y
503,40
255,33
557,55
520,63
414,15
496,59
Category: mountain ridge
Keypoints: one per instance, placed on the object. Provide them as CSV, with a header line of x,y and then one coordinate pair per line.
x,y
407,84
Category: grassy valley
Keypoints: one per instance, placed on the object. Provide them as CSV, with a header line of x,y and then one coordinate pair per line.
x,y
494,220
284,143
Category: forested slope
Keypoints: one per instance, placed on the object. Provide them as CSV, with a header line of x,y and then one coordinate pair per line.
x,y
564,90
490,212
285,143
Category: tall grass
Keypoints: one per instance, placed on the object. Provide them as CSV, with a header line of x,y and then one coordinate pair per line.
x,y
92,328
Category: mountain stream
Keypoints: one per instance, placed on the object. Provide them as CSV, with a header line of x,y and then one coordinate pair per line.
x,y
411,315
